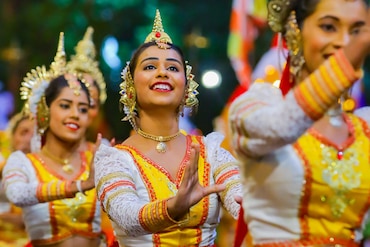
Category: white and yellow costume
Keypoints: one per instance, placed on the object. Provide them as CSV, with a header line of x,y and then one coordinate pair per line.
x,y
299,188
52,212
31,185
133,190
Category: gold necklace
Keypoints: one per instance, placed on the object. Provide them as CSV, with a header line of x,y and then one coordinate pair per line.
x,y
67,167
161,146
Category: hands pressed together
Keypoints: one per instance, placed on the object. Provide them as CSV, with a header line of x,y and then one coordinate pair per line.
x,y
90,182
190,191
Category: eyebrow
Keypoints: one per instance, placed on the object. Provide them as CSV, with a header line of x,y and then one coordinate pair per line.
x,y
155,58
71,101
356,24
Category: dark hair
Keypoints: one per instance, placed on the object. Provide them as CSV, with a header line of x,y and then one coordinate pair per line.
x,y
18,119
143,47
305,8
55,87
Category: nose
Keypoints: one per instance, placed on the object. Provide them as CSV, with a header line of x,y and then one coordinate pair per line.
x,y
75,112
342,39
162,71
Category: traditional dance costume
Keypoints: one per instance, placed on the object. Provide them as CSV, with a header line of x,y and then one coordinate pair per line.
x,y
300,189
134,190
50,213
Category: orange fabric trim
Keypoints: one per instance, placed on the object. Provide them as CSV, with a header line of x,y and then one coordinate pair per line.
x,y
318,242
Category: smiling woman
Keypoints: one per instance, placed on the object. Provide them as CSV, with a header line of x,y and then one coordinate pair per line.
x,y
162,186
54,184
302,143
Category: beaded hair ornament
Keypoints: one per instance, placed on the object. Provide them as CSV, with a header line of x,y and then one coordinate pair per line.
x,y
33,88
84,62
282,19
127,89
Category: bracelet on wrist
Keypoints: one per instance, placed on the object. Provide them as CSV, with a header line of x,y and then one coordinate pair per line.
x,y
79,186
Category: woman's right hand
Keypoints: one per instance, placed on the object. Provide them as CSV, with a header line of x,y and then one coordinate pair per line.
x,y
190,191
90,182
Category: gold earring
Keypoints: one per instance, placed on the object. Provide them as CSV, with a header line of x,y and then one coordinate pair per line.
x,y
294,42
43,115
347,102
128,96
278,10
191,100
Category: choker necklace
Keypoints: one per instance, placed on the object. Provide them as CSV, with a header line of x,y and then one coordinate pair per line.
x,y
161,146
67,167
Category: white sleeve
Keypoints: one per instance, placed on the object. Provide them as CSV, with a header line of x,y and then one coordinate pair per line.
x,y
115,186
19,180
262,120
364,113
225,170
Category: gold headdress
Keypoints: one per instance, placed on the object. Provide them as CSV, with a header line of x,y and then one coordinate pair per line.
x,y
278,12
158,34
33,88
128,93
84,62
282,18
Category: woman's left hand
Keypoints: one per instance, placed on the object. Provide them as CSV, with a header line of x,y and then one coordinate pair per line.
x,y
190,191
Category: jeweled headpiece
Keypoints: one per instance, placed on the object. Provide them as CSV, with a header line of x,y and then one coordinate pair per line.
x,y
158,34
37,80
33,88
282,19
127,89
278,12
84,62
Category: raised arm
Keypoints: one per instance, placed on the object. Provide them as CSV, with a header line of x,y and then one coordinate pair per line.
x,y
262,120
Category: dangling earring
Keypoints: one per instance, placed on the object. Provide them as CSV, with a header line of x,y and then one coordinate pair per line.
x,y
43,115
190,98
128,97
347,102
191,93
294,42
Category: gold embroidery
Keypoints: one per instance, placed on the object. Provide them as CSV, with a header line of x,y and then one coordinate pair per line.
x,y
109,177
340,174
223,167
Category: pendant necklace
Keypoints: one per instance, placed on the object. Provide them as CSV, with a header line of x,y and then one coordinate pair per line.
x,y
161,146
335,116
67,166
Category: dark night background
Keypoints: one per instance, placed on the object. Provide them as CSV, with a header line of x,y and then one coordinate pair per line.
x,y
29,33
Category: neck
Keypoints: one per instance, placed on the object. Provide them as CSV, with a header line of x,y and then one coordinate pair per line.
x,y
159,126
59,147
335,115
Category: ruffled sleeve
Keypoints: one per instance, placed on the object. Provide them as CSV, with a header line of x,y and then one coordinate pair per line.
x,y
263,120
19,180
115,178
364,113
225,170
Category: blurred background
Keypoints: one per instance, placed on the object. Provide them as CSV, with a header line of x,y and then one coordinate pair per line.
x,y
29,33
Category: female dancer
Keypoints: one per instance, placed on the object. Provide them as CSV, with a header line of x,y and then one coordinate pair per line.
x,y
161,186
305,162
54,184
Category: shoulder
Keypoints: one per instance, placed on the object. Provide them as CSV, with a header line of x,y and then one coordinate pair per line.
x,y
17,160
259,93
214,138
364,113
17,156
108,153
